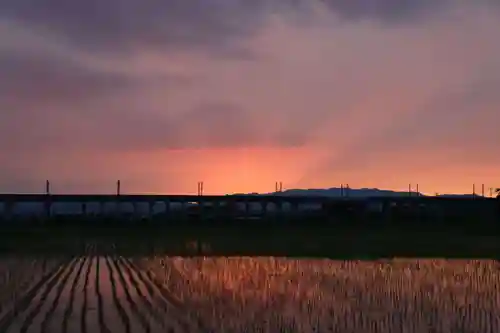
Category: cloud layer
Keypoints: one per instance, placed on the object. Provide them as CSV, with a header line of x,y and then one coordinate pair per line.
x,y
367,92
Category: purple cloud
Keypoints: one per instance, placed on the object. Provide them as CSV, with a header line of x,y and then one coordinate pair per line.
x,y
121,76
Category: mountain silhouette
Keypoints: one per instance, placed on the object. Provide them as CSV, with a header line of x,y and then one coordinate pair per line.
x,y
346,192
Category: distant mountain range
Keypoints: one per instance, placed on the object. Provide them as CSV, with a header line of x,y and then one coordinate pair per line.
x,y
351,192
355,193
459,195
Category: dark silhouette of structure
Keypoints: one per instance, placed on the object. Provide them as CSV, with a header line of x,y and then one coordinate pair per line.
x,y
476,210
277,207
281,223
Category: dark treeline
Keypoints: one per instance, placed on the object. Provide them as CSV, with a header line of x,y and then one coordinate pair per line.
x,y
348,234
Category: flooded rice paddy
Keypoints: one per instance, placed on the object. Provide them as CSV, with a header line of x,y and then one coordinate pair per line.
x,y
111,293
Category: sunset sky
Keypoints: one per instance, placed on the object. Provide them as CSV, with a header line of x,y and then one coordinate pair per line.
x,y
240,94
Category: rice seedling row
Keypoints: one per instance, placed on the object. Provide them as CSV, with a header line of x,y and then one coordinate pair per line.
x,y
93,294
110,293
300,295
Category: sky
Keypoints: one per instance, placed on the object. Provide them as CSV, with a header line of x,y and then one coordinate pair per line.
x,y
240,94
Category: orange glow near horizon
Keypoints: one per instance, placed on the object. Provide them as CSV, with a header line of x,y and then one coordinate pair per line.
x,y
313,96
253,169
248,170
226,171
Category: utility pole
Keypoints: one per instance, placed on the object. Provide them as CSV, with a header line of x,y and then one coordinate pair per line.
x,y
344,190
118,193
47,204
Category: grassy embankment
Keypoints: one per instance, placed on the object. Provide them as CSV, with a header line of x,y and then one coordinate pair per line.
x,y
326,241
